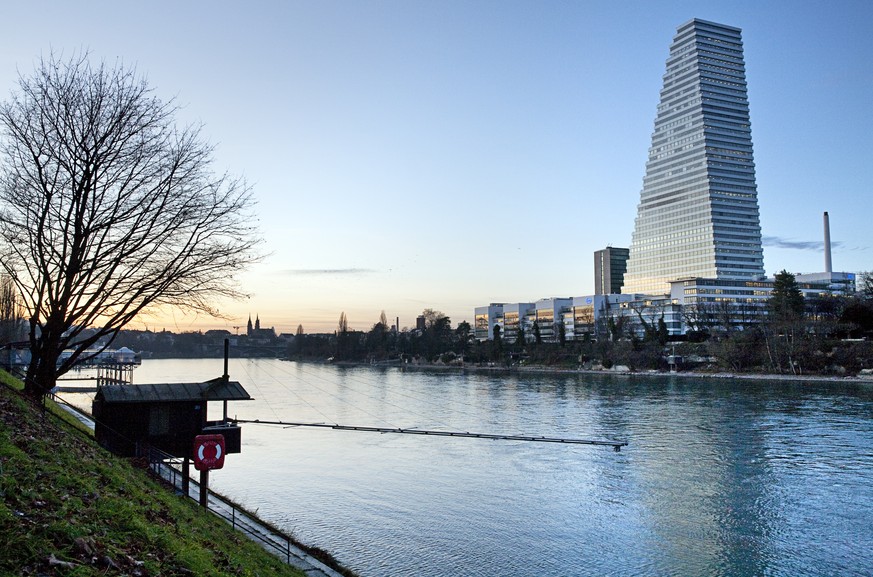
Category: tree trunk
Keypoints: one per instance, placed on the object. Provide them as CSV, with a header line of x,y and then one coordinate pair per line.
x,y
773,363
41,374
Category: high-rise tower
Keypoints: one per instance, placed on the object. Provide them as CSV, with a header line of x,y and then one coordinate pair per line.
x,y
610,264
698,210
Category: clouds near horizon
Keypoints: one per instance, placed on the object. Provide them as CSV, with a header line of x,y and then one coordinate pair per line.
x,y
329,271
811,245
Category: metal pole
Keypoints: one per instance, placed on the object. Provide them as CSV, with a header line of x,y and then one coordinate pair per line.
x,y
186,477
226,356
204,489
827,243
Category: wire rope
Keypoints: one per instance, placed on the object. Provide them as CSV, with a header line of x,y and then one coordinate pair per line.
x,y
476,416
288,387
238,363
428,400
382,401
302,399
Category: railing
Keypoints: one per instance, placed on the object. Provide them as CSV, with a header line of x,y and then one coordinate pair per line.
x,y
168,469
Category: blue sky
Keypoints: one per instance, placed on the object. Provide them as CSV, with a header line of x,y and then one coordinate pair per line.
x,y
409,155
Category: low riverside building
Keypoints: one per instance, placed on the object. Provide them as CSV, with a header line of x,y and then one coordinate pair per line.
x,y
514,316
581,317
485,319
547,317
588,317
648,313
833,282
724,304
694,304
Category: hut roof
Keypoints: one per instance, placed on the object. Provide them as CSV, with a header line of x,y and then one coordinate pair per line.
x,y
215,390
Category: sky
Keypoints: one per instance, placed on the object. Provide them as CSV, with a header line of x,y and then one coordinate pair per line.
x,y
449,154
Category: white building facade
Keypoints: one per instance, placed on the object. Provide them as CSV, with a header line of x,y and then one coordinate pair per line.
x,y
694,304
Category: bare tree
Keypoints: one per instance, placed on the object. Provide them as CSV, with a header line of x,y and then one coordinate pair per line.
x,y
109,210
584,322
432,317
866,287
700,316
10,311
342,337
650,327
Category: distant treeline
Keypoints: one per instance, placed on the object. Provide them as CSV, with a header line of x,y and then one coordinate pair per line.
x,y
830,336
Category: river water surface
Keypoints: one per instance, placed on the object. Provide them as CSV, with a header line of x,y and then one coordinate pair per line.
x,y
720,477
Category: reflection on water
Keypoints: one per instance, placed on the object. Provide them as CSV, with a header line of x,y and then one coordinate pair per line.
x,y
721,477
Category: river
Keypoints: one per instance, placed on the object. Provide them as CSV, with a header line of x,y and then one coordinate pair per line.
x,y
720,476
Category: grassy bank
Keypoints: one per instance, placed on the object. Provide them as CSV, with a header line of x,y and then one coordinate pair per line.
x,y
67,507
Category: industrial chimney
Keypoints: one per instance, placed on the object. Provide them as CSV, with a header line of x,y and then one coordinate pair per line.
x,y
827,243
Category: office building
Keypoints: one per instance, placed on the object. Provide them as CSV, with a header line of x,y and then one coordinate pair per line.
x,y
698,211
693,305
486,318
610,264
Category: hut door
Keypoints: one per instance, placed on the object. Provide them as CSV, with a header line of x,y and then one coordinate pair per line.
x,y
159,420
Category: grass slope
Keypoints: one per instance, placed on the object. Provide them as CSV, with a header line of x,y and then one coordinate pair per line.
x,y
67,507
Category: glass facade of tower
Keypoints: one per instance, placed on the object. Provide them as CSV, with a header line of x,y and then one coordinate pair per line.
x,y
698,211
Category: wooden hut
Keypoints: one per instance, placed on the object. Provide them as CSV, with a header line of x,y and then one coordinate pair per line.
x,y
165,416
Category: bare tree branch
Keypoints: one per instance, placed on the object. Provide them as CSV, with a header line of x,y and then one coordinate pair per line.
x,y
109,210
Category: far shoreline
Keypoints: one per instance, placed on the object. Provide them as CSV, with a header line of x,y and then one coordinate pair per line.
x,y
858,379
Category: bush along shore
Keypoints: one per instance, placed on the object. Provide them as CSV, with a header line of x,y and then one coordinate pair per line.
x,y
750,353
820,341
68,507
